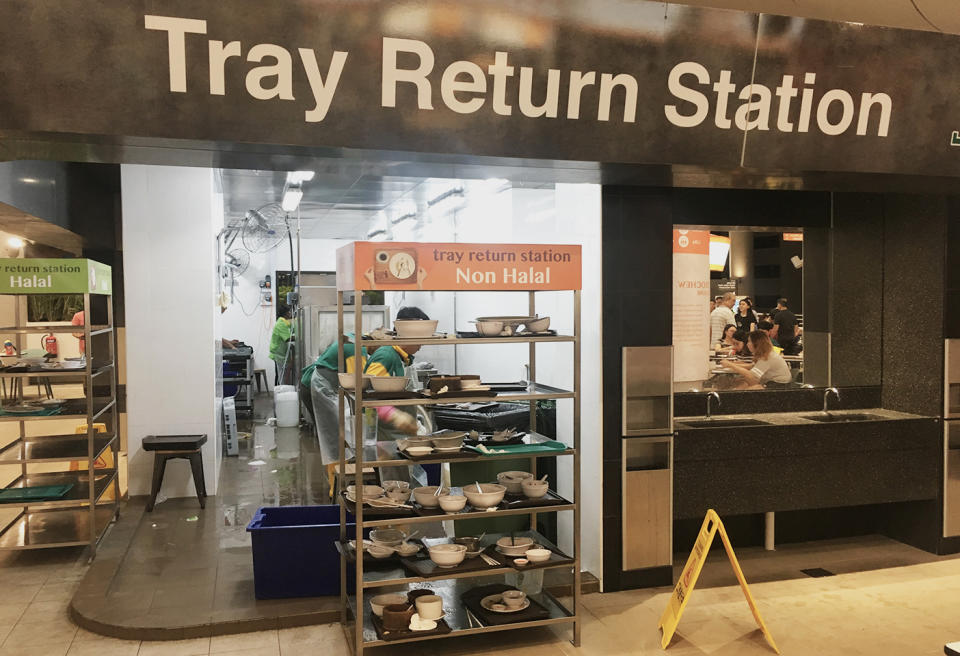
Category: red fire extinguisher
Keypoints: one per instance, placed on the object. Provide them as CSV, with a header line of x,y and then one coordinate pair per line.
x,y
50,344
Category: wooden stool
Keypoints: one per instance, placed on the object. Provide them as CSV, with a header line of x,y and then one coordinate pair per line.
x,y
169,447
260,375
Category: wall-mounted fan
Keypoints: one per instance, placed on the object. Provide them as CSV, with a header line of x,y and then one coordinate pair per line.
x,y
264,228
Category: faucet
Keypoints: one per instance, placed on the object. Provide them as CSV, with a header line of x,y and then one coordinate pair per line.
x,y
826,396
710,396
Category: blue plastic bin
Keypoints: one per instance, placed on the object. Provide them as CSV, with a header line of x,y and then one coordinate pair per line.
x,y
294,554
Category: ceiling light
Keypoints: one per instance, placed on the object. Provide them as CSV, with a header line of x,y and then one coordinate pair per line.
x,y
29,180
16,242
291,198
298,177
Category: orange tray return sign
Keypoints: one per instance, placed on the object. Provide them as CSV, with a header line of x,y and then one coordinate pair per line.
x,y
367,265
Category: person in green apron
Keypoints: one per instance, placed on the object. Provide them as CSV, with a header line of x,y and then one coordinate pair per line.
x,y
280,343
322,384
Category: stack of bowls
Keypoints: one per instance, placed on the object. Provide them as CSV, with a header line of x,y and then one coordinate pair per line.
x,y
425,496
448,555
513,480
490,495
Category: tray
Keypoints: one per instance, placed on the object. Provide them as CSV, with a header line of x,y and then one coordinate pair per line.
x,y
551,498
35,493
379,513
442,629
509,387
487,442
427,569
471,599
452,455
544,448
556,558
464,394
369,562
389,396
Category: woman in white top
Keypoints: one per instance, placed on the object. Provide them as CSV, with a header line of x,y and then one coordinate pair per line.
x,y
769,367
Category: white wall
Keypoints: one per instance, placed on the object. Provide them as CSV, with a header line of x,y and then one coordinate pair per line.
x,y
170,320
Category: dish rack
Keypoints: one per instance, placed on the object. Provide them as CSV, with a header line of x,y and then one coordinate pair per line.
x,y
76,448
356,614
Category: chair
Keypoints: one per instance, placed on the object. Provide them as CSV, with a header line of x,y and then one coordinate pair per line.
x,y
170,447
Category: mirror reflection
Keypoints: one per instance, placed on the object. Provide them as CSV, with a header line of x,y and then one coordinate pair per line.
x,y
737,308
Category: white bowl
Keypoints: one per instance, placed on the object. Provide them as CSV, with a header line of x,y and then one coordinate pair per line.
x,y
368,491
389,485
537,325
407,548
489,328
533,489
448,555
380,551
512,480
389,537
388,383
538,555
452,503
415,327
419,450
491,495
454,439
377,603
518,547
398,494
425,497
347,380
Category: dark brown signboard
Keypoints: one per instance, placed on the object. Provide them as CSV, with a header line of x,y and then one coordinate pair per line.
x,y
601,81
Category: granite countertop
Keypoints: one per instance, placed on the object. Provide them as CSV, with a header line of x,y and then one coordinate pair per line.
x,y
794,418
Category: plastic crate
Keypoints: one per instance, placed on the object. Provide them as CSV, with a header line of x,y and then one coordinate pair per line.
x,y
294,551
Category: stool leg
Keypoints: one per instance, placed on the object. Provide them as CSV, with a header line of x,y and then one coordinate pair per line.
x,y
196,464
159,465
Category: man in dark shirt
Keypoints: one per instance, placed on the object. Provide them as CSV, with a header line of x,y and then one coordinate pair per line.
x,y
785,328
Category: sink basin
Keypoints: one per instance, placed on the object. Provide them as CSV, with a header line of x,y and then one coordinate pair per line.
x,y
842,418
721,423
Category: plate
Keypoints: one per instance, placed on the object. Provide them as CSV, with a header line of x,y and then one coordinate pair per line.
x,y
489,600
446,449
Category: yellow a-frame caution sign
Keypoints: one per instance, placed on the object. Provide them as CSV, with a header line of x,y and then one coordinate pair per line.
x,y
691,572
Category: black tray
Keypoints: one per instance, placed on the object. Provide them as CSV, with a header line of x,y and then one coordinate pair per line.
x,y
556,558
390,396
486,441
462,394
509,387
472,334
427,569
442,629
452,455
378,513
551,498
471,599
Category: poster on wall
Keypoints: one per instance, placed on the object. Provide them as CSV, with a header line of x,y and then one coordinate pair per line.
x,y
691,304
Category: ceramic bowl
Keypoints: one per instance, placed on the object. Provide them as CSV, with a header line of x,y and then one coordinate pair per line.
x,y
518,547
513,598
419,451
389,383
424,496
347,380
415,327
396,617
391,485
369,491
491,494
406,549
452,503
534,489
400,495
489,328
380,551
512,480
471,543
448,555
538,325
454,440
389,537
377,603
538,555
430,607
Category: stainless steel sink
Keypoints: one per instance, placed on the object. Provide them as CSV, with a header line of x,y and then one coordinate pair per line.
x,y
721,423
843,418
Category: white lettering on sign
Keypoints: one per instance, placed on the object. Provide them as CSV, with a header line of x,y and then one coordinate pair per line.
x,y
270,71
31,282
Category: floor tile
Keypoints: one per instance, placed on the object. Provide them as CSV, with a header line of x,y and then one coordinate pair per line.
x,y
104,647
197,647
322,638
258,640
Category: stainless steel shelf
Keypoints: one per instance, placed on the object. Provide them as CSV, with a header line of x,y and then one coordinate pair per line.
x,y
54,448
482,514
57,328
460,341
384,454
45,529
58,373
539,392
79,494
99,410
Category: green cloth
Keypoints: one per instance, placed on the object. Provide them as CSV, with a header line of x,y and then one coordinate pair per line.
x,y
329,359
389,358
282,330
517,449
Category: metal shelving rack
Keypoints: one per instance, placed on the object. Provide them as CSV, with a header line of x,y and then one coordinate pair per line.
x,y
82,516
363,636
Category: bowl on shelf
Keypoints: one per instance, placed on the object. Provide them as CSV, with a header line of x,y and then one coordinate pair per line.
x,y
393,485
537,325
491,495
452,503
419,450
513,480
398,494
447,555
347,381
425,496
407,549
392,598
389,537
514,546
489,328
537,555
380,551
512,322
389,383
448,440
472,543
534,489
368,491
415,327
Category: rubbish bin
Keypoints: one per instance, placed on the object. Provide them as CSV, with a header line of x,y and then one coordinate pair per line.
x,y
294,554
495,417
